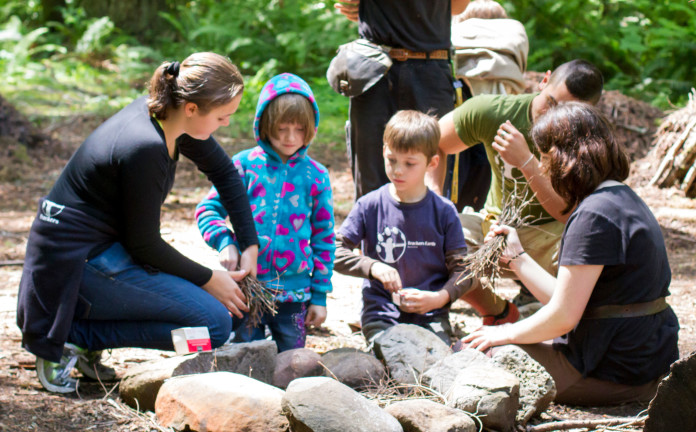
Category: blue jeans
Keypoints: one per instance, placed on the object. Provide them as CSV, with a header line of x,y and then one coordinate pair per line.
x,y
128,306
287,327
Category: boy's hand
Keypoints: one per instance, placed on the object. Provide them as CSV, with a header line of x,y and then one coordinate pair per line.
x,y
387,275
316,315
229,257
416,301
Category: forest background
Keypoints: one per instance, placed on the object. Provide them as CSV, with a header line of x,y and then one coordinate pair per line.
x,y
65,57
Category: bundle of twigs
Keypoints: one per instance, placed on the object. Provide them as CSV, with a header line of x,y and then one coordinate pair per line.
x,y
260,298
677,135
484,263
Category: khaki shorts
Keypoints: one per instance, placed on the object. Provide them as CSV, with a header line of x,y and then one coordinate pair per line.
x,y
541,242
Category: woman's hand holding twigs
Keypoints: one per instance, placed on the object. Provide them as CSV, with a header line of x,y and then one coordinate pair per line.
x,y
513,247
223,286
387,275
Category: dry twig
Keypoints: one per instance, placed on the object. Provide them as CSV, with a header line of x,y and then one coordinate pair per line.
x,y
484,263
588,424
261,299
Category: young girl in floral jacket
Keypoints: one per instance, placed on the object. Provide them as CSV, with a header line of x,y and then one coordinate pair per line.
x,y
292,205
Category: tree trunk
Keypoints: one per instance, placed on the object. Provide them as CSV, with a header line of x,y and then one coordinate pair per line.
x,y
51,10
139,18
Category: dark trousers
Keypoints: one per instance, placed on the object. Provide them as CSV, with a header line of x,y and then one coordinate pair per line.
x,y
423,85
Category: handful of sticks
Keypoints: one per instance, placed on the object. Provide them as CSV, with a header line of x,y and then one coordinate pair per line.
x,y
260,297
484,263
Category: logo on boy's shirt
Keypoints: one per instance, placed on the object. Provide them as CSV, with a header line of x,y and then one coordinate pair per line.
x,y
391,244
49,211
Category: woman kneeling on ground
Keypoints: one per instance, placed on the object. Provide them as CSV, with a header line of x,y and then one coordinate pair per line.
x,y
98,274
607,302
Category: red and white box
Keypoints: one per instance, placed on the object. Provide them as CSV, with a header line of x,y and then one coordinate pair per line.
x,y
191,340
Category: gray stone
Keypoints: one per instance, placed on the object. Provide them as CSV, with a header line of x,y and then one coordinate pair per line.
x,y
443,373
489,392
672,408
295,363
141,383
423,415
320,404
409,350
352,367
253,359
220,401
537,387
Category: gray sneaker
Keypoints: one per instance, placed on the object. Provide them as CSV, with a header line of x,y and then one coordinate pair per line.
x,y
89,364
55,377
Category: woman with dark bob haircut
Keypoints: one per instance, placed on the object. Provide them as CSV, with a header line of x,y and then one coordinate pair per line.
x,y
605,332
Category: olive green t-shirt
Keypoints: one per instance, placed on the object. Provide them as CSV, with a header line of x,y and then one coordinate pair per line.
x,y
477,121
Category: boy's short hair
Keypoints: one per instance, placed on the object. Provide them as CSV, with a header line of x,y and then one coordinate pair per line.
x,y
483,9
287,108
583,79
413,131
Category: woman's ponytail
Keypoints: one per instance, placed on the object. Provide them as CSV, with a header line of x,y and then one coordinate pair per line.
x,y
206,79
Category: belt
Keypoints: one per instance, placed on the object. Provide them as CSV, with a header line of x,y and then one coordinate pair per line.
x,y
402,54
626,311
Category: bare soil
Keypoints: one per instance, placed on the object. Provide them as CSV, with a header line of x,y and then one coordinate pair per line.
x,y
26,175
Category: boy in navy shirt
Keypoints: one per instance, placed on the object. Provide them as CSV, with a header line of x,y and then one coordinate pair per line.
x,y
412,241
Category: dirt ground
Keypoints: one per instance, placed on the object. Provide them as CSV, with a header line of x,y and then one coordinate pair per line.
x,y
24,177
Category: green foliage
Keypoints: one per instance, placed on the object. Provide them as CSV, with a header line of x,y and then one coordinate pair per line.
x,y
644,48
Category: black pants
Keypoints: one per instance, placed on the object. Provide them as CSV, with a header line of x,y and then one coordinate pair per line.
x,y
423,85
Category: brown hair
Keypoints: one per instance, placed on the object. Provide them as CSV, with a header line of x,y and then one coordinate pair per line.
x,y
583,79
578,150
484,9
207,79
288,108
412,131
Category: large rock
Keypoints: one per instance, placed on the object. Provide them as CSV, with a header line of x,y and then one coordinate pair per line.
x,y
140,384
490,392
409,350
253,359
442,374
352,367
537,387
672,408
320,404
220,401
422,415
295,363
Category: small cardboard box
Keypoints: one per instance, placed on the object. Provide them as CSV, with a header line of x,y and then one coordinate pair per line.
x,y
191,340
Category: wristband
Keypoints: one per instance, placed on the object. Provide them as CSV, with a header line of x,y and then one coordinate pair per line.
x,y
531,156
517,256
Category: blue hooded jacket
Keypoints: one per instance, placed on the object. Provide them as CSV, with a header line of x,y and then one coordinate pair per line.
x,y
292,206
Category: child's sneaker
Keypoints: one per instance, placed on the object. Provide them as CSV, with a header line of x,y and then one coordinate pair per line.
x,y
509,315
89,364
55,377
